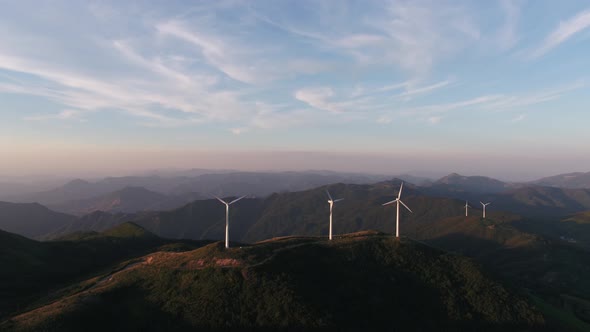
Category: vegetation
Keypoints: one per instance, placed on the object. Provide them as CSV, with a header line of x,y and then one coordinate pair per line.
x,y
32,270
366,281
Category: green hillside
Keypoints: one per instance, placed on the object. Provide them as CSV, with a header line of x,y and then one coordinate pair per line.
x,y
365,281
553,270
203,219
302,213
31,270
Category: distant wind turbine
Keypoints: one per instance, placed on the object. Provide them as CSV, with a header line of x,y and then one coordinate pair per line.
x,y
484,208
466,207
398,201
227,217
331,201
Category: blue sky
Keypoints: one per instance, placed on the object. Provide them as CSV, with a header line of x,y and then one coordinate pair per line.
x,y
499,88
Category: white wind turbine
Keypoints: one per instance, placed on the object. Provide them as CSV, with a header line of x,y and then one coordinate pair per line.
x,y
227,217
331,201
466,207
398,201
484,208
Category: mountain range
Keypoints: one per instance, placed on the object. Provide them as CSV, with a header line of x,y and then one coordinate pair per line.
x,y
168,190
126,200
290,213
549,257
234,183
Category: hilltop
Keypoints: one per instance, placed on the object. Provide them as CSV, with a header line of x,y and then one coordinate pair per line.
x,y
363,281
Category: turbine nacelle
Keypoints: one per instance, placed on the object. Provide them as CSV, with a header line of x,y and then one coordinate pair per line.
x,y
230,203
331,200
400,202
335,201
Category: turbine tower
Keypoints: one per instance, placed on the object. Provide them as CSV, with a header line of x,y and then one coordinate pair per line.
x,y
398,201
227,217
484,208
331,201
466,207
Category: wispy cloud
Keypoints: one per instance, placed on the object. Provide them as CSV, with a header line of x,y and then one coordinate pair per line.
x,y
420,33
519,101
507,36
434,120
412,35
518,118
563,32
251,67
495,102
424,89
63,115
365,99
242,63
319,98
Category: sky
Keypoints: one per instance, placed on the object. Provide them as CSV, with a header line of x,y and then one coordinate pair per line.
x,y
497,88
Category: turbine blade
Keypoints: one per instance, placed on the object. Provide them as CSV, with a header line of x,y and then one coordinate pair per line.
x,y
219,199
338,200
390,202
237,199
329,196
399,195
406,206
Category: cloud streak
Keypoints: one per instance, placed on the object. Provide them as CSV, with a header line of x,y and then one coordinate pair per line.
x,y
566,30
245,67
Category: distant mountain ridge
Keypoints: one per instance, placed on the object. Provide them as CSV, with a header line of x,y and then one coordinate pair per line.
x,y
221,183
97,221
568,180
304,212
126,200
473,184
32,220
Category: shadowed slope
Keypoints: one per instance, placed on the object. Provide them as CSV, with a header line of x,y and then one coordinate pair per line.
x,y
30,269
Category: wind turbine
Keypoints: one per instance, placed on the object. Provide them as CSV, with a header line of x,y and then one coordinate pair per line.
x,y
466,207
398,201
331,201
484,208
227,217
